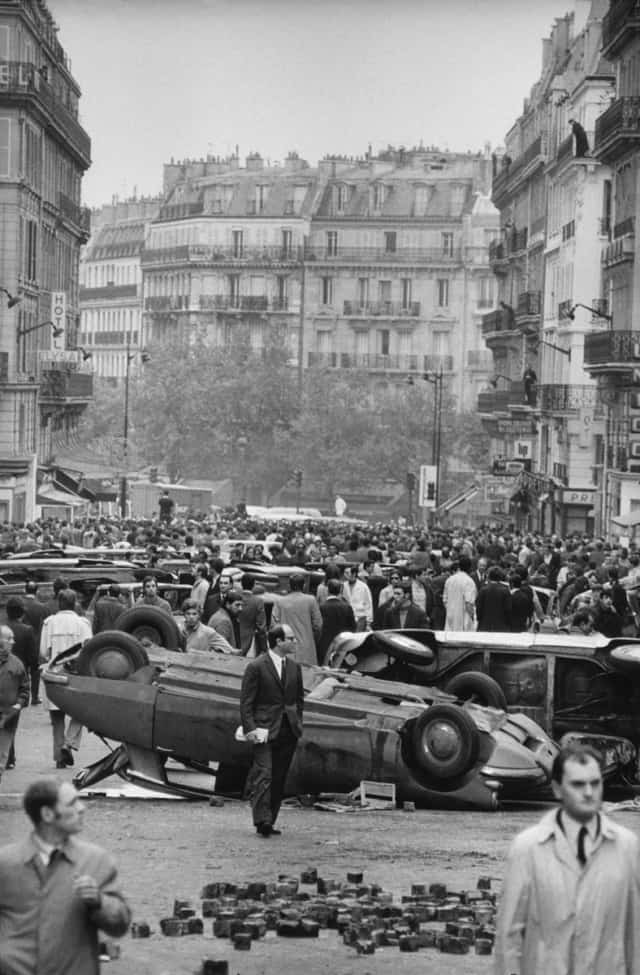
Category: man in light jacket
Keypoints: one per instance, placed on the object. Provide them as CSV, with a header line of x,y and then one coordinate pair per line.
x,y
571,898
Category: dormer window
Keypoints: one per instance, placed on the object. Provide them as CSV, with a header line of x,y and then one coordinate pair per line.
x,y
341,197
378,196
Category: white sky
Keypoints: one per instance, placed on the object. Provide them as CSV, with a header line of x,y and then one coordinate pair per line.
x,y
184,78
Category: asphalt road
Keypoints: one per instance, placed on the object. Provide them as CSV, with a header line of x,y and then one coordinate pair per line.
x,y
169,849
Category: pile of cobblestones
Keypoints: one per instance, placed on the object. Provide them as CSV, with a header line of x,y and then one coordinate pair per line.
x,y
364,915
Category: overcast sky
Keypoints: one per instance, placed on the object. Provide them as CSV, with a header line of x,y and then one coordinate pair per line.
x,y
185,78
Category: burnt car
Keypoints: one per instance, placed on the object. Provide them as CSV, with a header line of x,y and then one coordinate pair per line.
x,y
581,686
161,703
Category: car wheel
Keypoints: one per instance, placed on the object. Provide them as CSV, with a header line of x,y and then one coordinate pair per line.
x,y
111,655
150,623
478,687
445,742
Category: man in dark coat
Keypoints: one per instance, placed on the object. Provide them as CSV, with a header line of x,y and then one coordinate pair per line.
x,y
337,616
107,609
35,614
401,614
493,604
271,705
252,621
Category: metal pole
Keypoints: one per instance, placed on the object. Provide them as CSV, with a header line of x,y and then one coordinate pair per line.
x,y
439,379
301,321
124,488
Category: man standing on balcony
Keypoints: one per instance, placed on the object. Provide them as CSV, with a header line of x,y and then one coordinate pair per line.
x,y
530,381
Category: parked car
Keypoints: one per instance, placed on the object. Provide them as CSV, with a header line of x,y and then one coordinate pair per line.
x,y
583,686
435,750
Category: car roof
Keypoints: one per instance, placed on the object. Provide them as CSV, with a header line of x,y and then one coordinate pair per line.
x,y
525,641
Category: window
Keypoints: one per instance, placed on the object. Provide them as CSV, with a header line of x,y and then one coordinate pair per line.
x,y
363,292
341,198
332,243
443,292
286,243
327,291
261,198
406,293
5,136
384,292
390,239
485,292
282,291
447,244
4,43
383,341
237,243
378,196
31,250
234,290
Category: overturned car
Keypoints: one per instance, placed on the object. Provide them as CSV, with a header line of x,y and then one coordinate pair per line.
x,y
164,704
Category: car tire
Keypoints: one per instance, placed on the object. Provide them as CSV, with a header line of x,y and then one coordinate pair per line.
x,y
478,687
111,655
445,742
150,623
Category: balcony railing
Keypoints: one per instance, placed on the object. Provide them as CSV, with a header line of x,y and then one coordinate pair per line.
x,y
623,16
110,292
560,398
178,211
528,304
498,321
618,129
624,227
372,361
438,363
244,303
166,302
479,359
393,309
501,400
497,251
507,175
78,215
619,251
613,349
431,255
21,79
199,253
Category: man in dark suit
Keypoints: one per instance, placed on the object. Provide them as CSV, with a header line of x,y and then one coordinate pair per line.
x,y
337,616
107,609
493,604
252,620
401,614
271,704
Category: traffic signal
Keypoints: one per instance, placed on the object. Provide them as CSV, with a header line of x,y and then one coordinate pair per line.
x,y
431,491
298,476
411,481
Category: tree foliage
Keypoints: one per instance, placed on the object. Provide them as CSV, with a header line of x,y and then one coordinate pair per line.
x,y
208,412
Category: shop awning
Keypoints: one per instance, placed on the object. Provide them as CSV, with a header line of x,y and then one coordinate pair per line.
x,y
458,498
48,494
627,521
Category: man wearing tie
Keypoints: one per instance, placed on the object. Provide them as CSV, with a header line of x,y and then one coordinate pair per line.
x,y
571,897
271,705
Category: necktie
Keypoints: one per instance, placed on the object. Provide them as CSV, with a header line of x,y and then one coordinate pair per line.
x,y
582,835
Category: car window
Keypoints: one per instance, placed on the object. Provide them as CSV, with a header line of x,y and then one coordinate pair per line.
x,y
524,682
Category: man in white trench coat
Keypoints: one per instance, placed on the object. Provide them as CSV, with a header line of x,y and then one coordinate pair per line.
x,y
571,898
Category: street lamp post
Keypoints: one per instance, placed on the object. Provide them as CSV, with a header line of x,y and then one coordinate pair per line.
x,y
436,379
124,481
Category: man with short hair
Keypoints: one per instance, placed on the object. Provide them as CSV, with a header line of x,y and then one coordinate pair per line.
x,y
196,636
108,607
14,696
150,597
459,597
35,613
253,619
225,620
571,896
63,630
271,706
56,891
301,612
359,595
401,613
337,617
200,588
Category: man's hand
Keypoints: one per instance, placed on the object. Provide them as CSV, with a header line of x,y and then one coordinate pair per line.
x,y
86,888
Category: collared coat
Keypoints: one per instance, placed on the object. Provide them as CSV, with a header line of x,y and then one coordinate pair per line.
x,y
44,927
558,918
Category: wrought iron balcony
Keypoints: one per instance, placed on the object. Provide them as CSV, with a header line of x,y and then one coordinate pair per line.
x,y
503,400
565,149
619,25
611,351
619,251
479,359
528,304
20,80
390,309
400,255
243,303
110,292
374,362
505,181
497,251
501,320
178,211
237,255
618,129
166,302
560,398
75,214
438,363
